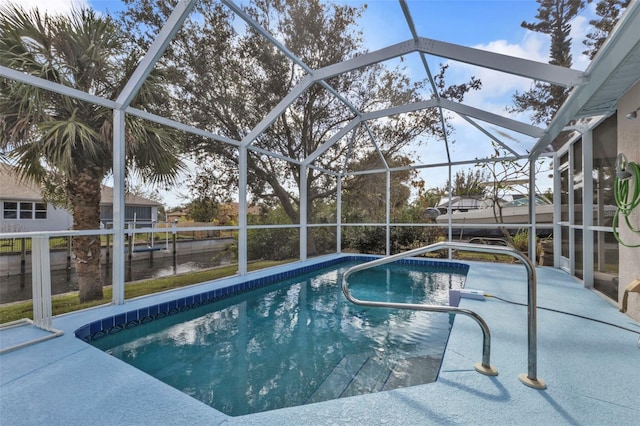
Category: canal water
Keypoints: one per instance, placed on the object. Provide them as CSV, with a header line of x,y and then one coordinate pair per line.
x,y
14,288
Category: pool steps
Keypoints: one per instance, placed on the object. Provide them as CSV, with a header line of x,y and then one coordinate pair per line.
x,y
363,373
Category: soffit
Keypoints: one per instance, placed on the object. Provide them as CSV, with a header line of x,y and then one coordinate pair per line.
x,y
604,101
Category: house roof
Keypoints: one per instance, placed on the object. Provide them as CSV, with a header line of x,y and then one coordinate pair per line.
x,y
13,188
130,199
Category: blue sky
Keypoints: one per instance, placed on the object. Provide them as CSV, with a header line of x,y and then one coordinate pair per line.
x,y
466,22
492,25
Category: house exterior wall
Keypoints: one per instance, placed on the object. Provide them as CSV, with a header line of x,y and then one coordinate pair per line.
x,y
22,207
142,215
629,145
62,220
57,220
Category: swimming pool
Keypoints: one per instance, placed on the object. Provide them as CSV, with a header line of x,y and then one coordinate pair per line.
x,y
298,341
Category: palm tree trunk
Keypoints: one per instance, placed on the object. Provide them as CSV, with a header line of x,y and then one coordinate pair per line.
x,y
84,193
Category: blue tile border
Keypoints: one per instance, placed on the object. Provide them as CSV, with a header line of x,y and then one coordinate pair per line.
x,y
119,322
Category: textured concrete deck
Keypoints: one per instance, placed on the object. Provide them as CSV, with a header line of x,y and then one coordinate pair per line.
x,y
592,371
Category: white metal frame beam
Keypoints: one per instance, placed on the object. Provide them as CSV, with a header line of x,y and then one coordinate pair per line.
x,y
277,111
365,60
351,125
464,110
167,32
489,117
488,134
131,88
425,65
534,70
180,126
429,166
401,109
42,83
376,146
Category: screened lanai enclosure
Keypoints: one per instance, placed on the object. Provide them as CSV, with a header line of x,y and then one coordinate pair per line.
x,y
343,143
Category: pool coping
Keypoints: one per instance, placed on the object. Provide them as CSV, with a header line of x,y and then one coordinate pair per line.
x,y
589,368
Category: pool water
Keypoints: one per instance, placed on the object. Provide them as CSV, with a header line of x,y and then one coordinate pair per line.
x,y
298,341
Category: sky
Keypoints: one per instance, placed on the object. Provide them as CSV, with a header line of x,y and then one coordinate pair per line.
x,y
492,25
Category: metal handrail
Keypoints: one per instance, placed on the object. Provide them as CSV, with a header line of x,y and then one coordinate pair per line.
x,y
530,378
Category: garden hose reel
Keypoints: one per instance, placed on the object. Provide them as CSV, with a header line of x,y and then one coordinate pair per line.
x,y
627,195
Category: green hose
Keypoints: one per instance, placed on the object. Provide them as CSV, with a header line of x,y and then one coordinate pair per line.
x,y
627,178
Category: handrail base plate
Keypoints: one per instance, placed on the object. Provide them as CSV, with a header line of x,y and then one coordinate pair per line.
x,y
487,371
536,384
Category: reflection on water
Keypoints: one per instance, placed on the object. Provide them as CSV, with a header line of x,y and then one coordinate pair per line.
x,y
14,288
298,341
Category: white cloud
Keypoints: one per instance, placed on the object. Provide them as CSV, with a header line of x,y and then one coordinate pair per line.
x,y
579,29
50,6
533,46
498,87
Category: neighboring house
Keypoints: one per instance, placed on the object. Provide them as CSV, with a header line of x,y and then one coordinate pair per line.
x,y
177,215
140,210
22,208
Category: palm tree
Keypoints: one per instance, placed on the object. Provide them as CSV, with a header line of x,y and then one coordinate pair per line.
x,y
65,144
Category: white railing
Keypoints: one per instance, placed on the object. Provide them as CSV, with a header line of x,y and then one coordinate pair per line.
x,y
530,378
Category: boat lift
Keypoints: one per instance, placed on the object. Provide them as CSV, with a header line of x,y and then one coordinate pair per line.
x,y
149,248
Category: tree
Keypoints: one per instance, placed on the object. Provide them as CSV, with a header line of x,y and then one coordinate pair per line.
x,y
427,197
64,143
505,176
553,19
364,195
609,12
205,193
202,210
227,81
272,243
469,184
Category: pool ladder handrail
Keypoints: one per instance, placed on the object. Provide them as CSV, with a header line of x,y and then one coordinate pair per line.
x,y
530,378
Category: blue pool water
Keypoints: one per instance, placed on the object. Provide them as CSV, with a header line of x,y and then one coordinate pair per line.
x,y
298,341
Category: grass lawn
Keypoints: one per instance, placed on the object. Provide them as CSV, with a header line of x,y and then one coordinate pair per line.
x,y
69,302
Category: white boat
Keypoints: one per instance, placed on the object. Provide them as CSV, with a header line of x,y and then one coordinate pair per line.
x,y
515,212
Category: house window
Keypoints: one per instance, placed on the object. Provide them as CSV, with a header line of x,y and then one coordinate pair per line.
x,y
24,210
40,211
10,210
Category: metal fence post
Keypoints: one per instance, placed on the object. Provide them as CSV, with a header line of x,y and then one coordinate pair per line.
x,y
41,282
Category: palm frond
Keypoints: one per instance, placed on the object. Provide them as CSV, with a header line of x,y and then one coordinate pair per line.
x,y
46,131
69,142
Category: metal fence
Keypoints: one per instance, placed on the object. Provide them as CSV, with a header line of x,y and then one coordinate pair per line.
x,y
146,233
24,245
